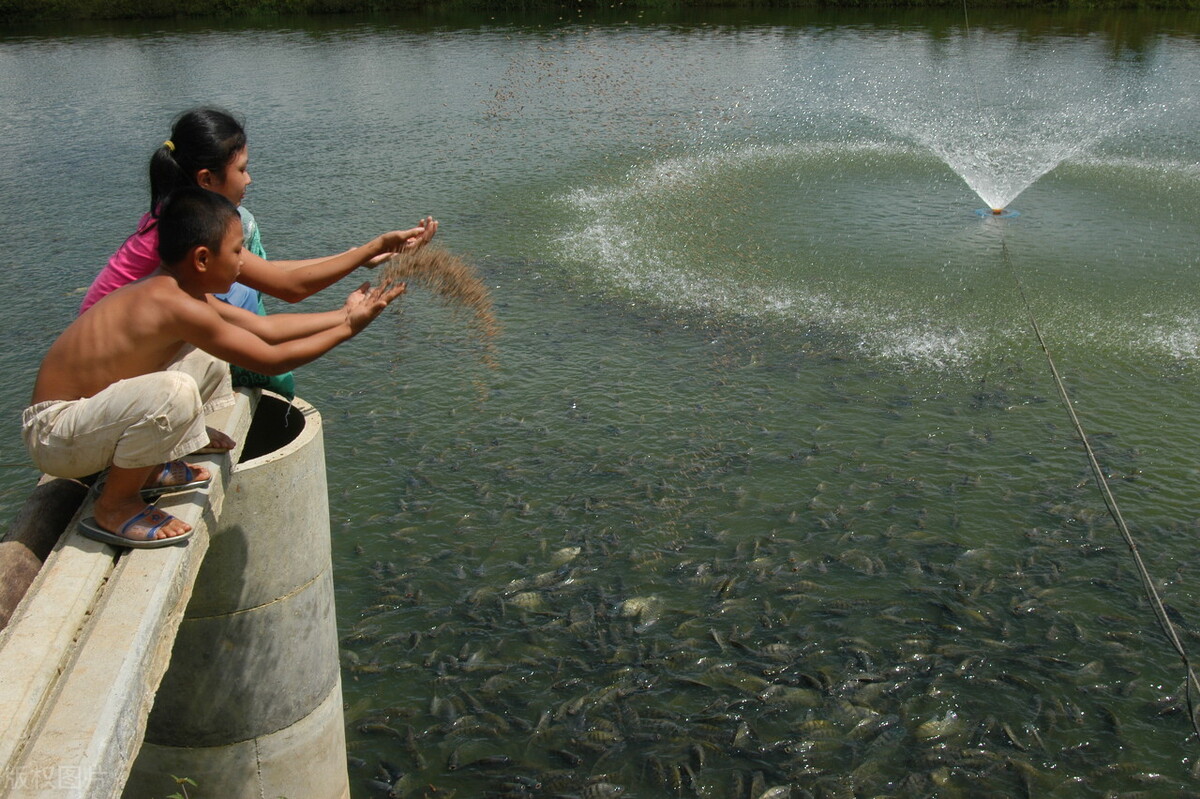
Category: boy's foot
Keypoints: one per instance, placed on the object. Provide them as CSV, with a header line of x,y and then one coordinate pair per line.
x,y
146,529
218,443
170,478
175,476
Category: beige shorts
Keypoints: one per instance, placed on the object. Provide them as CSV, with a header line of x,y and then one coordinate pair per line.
x,y
137,422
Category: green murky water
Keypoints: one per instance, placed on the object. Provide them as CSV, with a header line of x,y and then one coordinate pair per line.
x,y
771,486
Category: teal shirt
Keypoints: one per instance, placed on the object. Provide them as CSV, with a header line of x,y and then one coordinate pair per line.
x,y
252,239
251,300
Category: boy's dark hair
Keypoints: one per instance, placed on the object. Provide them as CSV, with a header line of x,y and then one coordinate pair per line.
x,y
192,217
202,138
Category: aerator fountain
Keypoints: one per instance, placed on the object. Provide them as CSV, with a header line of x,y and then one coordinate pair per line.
x,y
997,213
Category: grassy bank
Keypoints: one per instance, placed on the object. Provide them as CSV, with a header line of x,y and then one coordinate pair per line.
x,y
43,10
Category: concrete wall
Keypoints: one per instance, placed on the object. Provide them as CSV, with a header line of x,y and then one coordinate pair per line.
x,y
250,705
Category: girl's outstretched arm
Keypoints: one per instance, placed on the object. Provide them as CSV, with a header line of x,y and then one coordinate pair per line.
x,y
293,281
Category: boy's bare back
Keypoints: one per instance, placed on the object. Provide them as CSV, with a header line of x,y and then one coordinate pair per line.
x,y
133,331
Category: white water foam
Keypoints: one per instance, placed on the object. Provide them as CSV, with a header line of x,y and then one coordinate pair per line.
x,y
1180,339
612,240
1155,167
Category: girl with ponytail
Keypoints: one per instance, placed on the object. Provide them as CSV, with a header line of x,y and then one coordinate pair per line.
x,y
208,148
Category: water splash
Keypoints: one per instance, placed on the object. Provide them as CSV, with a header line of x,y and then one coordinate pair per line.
x,y
835,213
1001,115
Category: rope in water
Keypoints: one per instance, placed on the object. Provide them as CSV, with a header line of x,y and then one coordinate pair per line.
x,y
1164,621
1192,685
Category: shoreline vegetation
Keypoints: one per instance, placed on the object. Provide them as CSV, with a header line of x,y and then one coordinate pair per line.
x,y
18,11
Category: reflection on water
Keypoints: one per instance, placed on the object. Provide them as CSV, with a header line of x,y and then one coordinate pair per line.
x,y
770,492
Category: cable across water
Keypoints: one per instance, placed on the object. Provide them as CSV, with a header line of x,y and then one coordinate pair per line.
x,y
1192,684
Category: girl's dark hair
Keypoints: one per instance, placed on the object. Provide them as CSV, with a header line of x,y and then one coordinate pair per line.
x,y
202,138
191,217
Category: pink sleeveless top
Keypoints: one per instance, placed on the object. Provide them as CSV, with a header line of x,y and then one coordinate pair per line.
x,y
135,259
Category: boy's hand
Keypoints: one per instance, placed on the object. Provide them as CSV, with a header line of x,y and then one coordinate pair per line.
x,y
365,303
404,240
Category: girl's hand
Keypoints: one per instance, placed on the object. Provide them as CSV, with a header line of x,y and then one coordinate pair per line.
x,y
404,240
428,226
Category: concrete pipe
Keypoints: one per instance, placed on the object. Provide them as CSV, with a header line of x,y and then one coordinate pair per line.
x,y
251,703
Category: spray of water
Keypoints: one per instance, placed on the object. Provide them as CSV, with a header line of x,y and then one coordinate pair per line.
x,y
1000,117
830,205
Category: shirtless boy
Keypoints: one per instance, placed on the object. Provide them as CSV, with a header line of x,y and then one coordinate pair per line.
x,y
127,384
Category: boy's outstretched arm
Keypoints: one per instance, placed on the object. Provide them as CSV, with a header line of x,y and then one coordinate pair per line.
x,y
207,329
279,327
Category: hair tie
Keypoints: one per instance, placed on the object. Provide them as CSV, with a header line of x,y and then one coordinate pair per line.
x,y
170,145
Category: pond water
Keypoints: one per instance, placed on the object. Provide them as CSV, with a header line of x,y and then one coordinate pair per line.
x,y
770,485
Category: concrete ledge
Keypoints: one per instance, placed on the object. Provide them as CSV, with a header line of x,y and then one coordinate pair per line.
x,y
86,648
32,535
